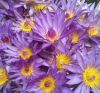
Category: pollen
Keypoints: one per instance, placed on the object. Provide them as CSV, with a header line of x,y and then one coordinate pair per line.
x,y
25,53
74,37
27,70
83,16
91,77
39,6
52,35
69,15
27,25
61,59
47,84
3,76
93,31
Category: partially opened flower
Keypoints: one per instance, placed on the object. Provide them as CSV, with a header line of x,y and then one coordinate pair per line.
x,y
86,73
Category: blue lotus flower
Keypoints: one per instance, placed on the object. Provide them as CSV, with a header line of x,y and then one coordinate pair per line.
x,y
86,72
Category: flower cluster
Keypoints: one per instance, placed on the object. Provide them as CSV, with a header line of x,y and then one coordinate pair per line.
x,y
49,46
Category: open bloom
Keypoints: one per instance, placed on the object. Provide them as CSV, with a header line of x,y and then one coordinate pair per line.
x,y
86,73
63,56
25,71
22,22
20,50
50,26
25,25
50,82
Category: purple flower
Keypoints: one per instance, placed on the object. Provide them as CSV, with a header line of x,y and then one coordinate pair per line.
x,y
19,50
51,26
23,72
72,8
91,23
47,46
86,73
50,82
62,56
77,33
25,25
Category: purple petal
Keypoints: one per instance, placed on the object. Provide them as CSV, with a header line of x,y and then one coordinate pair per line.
x,y
66,90
96,90
78,89
4,4
74,80
73,68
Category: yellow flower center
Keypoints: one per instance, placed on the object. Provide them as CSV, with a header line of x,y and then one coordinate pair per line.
x,y
61,59
92,31
91,77
3,76
74,36
47,84
83,16
38,6
27,70
27,25
52,35
25,53
69,15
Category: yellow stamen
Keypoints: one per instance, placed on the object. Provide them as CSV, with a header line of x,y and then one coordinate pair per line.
x,y
25,53
27,25
27,70
47,84
92,31
3,76
91,76
74,37
70,15
83,16
61,59
39,6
